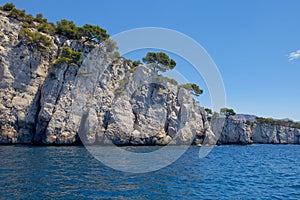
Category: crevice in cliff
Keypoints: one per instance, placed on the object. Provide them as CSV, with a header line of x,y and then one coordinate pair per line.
x,y
83,127
44,124
168,115
39,107
106,118
179,111
61,87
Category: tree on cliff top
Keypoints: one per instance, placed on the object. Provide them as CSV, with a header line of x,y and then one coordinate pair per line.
x,y
227,112
93,33
159,61
67,28
8,7
208,111
192,87
90,33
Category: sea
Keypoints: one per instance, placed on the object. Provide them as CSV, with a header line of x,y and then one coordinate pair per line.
x,y
227,172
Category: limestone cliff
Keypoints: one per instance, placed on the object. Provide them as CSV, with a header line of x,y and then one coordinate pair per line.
x,y
241,131
103,100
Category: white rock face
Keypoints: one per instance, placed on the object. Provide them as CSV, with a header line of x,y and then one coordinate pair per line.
x,y
275,134
238,131
22,72
231,131
102,101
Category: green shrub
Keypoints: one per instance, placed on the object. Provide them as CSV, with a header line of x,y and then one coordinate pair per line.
x,y
133,65
48,28
68,28
96,34
159,61
39,18
8,7
271,121
227,112
208,111
35,38
136,63
17,14
28,20
89,33
195,89
70,57
171,80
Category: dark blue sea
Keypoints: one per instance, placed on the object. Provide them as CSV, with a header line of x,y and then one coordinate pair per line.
x,y
228,172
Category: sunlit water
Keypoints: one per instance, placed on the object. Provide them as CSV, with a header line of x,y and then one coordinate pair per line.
x,y
228,172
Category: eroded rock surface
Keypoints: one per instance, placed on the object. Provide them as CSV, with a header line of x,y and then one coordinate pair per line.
x,y
104,100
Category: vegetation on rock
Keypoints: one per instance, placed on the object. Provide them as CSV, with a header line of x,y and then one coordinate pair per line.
x,y
68,29
208,111
227,112
93,33
8,7
192,87
48,28
171,80
36,39
159,61
288,123
89,33
40,19
69,57
136,63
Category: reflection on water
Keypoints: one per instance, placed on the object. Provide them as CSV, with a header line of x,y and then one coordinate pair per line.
x,y
259,171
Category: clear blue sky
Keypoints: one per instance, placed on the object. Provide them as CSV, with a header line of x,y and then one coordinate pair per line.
x,y
250,41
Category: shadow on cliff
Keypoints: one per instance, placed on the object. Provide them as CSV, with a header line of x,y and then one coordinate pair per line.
x,y
28,71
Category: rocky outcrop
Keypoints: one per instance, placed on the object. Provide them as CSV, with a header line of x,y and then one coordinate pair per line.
x,y
241,131
231,131
275,134
104,100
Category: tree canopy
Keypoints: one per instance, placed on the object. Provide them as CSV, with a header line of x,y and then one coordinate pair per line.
x,y
208,111
90,33
159,61
35,39
192,87
39,18
8,7
67,28
227,112
93,33
68,56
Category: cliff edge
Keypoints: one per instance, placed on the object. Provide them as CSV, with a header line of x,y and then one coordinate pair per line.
x,y
260,131
47,99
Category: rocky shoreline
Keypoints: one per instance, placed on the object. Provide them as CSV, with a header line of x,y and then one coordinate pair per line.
x,y
52,104
105,99
244,132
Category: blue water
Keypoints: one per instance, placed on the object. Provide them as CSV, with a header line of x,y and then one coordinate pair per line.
x,y
228,172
